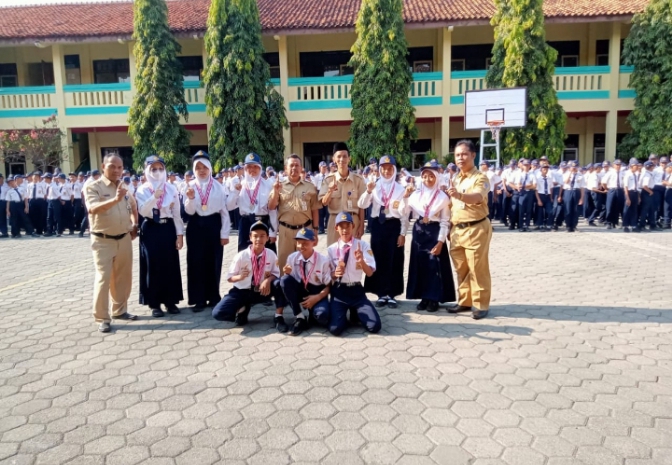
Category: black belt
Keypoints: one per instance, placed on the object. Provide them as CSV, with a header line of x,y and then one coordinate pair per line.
x,y
291,226
470,223
256,217
161,221
355,284
107,236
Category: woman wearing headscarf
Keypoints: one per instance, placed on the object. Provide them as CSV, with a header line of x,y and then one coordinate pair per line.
x,y
430,276
161,237
388,223
207,234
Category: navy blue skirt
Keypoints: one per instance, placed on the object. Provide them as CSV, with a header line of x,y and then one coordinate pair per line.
x,y
204,259
388,279
160,278
429,277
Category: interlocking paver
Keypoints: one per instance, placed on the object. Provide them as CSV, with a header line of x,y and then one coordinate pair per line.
x,y
556,376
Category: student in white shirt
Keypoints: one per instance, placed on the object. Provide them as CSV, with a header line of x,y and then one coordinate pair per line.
x,y
631,193
54,213
161,238
307,282
430,274
667,183
544,194
612,181
525,184
16,210
255,276
647,211
350,259
388,223
572,193
4,188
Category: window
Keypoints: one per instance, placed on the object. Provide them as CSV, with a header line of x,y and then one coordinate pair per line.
x,y
324,64
8,75
423,66
111,71
602,60
192,67
457,65
273,60
602,52
475,57
569,49
72,71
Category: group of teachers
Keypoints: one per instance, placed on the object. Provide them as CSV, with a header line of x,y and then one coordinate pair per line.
x,y
450,230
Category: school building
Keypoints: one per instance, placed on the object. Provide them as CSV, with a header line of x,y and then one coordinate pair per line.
x,y
76,61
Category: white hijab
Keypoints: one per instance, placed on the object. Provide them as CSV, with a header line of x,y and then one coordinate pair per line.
x,y
251,181
205,162
386,185
421,197
158,180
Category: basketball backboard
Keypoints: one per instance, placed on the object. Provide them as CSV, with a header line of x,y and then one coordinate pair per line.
x,y
483,107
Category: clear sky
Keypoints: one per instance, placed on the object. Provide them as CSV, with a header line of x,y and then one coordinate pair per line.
x,y
43,2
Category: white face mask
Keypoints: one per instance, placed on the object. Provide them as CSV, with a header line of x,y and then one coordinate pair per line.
x,y
155,177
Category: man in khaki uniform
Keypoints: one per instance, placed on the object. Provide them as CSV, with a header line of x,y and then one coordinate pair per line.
x,y
298,208
340,191
470,233
113,218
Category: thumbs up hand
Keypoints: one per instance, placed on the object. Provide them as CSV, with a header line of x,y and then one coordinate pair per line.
x,y
370,186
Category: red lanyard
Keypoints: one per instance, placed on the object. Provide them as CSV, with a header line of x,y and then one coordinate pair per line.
x,y
386,198
204,198
160,202
306,277
258,268
253,196
431,202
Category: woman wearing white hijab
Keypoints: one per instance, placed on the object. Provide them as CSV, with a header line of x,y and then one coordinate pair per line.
x,y
161,237
430,275
388,224
207,234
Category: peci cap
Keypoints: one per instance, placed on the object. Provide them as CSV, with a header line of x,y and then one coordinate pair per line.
x,y
48,176
259,226
344,217
305,234
648,164
253,159
61,176
340,147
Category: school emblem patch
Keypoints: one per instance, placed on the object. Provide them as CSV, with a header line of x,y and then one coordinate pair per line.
x,y
487,185
250,157
370,252
303,231
344,217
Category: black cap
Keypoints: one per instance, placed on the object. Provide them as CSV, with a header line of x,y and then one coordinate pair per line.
x,y
259,226
340,146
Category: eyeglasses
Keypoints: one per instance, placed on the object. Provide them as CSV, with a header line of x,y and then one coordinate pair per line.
x,y
157,170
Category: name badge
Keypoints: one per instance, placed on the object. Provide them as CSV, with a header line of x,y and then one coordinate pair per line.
x,y
156,214
304,206
349,204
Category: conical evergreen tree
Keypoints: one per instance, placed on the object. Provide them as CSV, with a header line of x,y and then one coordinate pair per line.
x,y
154,116
248,115
522,58
647,48
383,117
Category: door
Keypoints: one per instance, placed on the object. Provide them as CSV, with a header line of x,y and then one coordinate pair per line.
x,y
570,154
315,152
40,74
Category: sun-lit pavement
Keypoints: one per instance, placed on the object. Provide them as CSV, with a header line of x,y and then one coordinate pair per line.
x,y
574,366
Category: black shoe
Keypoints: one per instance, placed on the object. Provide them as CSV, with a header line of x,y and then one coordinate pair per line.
x,y
4,236
241,318
478,314
268,302
592,223
81,234
554,228
125,316
211,304
637,229
571,229
280,325
71,233
157,313
381,302
526,230
198,308
432,306
392,303
35,235
321,231
538,228
610,226
626,229
511,228
459,308
298,327
172,309
354,318
422,305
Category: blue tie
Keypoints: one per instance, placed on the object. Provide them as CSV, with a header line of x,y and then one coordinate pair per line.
x,y
545,185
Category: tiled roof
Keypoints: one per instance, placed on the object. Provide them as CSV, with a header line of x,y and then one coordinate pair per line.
x,y
189,16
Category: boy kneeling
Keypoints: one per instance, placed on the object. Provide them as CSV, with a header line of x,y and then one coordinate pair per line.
x,y
350,259
254,274
306,282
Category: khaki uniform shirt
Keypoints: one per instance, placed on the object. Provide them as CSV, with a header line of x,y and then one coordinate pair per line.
x,y
470,182
116,220
345,197
297,202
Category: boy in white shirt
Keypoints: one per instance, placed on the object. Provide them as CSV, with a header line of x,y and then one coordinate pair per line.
x,y
307,282
255,276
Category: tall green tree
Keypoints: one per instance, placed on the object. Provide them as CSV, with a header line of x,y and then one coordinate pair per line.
x,y
647,48
248,114
154,117
522,58
383,117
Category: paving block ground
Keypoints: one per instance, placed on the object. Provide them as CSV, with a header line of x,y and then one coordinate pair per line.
x,y
574,366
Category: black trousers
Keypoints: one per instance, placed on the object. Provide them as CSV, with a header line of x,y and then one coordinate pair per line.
x,y
324,219
545,211
38,214
236,299
3,217
295,292
54,221
18,218
615,202
244,225
77,213
67,217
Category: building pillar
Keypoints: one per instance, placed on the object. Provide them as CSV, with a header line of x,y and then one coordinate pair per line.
x,y
94,152
592,44
446,58
131,64
589,137
283,51
59,98
611,131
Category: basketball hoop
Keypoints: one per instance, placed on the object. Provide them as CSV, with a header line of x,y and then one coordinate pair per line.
x,y
495,127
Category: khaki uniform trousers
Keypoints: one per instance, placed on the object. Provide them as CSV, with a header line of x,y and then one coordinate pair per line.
x,y
286,245
332,235
469,249
114,276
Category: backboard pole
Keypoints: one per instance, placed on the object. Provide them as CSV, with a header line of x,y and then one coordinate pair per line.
x,y
483,145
